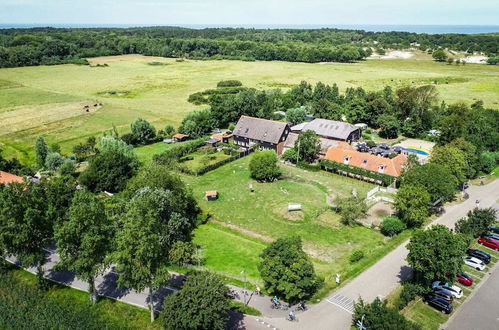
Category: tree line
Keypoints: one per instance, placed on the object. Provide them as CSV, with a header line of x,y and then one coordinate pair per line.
x,y
47,46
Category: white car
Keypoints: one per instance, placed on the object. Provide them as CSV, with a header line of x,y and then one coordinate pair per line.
x,y
474,263
454,290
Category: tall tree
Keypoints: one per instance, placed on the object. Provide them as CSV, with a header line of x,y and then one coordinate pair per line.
x,y
83,241
151,224
41,151
412,203
307,145
378,316
287,270
453,159
263,166
143,131
202,303
436,179
435,253
25,229
477,222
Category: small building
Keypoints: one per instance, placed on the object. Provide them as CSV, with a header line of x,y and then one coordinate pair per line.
x,y
179,137
345,154
330,129
212,142
211,195
7,178
267,134
223,137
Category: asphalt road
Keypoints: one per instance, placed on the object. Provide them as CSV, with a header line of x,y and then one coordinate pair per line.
x,y
481,310
384,276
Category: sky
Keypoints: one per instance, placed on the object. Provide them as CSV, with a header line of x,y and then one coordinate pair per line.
x,y
250,12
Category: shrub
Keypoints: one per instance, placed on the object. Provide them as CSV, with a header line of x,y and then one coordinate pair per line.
x,y
143,131
392,226
371,143
356,256
263,166
229,83
379,316
409,292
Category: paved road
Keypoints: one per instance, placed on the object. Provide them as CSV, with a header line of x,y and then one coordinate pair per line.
x,y
480,311
384,276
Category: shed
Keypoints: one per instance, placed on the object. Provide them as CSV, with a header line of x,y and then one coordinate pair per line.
x,y
211,195
212,142
179,137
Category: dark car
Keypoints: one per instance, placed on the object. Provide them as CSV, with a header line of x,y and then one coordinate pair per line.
x,y
384,146
494,236
495,230
485,257
439,303
397,149
442,293
362,147
464,279
377,151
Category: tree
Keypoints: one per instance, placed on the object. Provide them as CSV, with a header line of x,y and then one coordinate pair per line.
x,y
435,253
53,161
439,55
308,145
169,130
471,156
263,166
351,209
291,155
412,203
436,179
287,271
477,222
68,167
151,224
202,303
41,151
197,124
84,239
60,192
389,126
296,115
378,316
25,229
143,131
453,159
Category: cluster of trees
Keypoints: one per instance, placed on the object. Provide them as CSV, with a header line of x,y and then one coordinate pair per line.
x,y
142,232
22,47
377,315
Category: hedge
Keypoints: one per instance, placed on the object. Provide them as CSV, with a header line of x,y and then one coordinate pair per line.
x,y
179,150
336,167
209,167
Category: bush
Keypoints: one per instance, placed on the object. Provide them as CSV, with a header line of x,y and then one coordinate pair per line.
x,y
263,166
143,131
371,143
336,167
392,226
379,316
356,256
229,83
409,292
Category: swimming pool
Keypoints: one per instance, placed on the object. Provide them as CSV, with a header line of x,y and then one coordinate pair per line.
x,y
418,151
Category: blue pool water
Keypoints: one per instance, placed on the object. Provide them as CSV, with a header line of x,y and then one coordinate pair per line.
x,y
417,151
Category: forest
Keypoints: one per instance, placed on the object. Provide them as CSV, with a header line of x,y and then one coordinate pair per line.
x,y
48,46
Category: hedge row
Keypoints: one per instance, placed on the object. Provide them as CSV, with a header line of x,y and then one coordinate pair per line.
x,y
209,167
179,150
335,167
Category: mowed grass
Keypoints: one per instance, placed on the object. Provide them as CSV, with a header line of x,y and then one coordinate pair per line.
x,y
244,222
159,93
146,153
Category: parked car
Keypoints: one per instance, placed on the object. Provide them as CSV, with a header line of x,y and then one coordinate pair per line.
x,y
464,279
384,146
453,289
439,303
485,257
474,263
376,151
397,149
489,242
362,147
442,294
494,236
495,230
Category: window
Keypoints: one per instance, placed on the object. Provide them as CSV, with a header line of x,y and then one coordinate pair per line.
x,y
247,129
364,162
381,168
346,160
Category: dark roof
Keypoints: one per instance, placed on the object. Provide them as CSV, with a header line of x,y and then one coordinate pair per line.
x,y
260,129
330,128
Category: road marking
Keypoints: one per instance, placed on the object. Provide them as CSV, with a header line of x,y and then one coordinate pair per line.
x,y
342,302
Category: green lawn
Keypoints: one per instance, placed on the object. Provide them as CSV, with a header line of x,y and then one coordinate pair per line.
x,y
44,100
145,153
200,160
257,217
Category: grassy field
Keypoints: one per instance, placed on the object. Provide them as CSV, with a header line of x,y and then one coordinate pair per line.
x,y
244,222
200,160
47,100
145,153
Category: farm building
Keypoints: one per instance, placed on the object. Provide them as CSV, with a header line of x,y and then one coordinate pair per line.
x,y
179,137
211,195
7,178
268,134
345,154
330,129
325,144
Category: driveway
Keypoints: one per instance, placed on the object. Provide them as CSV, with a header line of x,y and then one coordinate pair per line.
x,y
383,277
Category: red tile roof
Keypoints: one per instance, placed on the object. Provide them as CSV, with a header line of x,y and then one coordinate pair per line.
x,y
179,136
6,178
392,167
